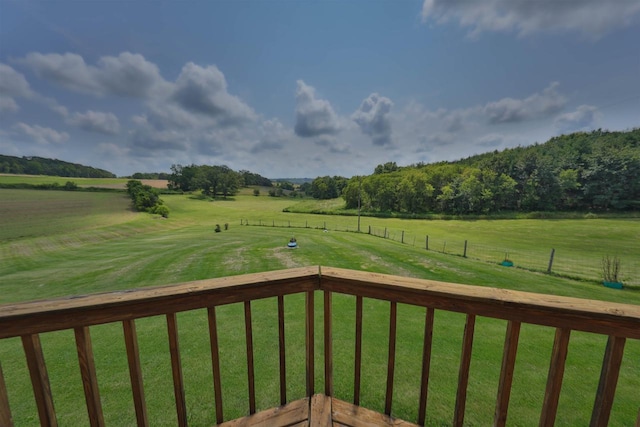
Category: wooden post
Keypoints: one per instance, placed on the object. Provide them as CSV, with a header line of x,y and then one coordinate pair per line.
x,y
369,229
465,249
402,237
385,232
426,242
553,251
444,247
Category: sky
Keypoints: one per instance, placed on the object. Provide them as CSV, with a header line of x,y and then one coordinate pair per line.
x,y
309,88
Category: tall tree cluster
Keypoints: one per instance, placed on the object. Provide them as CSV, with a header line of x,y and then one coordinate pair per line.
x,y
213,181
42,166
596,171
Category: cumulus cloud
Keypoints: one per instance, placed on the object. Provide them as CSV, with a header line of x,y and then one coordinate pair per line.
x,y
314,117
96,121
583,118
40,134
373,118
591,18
12,85
204,91
508,110
273,136
128,75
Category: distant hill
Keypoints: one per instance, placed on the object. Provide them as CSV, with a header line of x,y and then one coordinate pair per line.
x,y
297,181
33,165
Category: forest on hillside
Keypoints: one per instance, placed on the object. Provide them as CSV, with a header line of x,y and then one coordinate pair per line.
x,y
33,165
595,171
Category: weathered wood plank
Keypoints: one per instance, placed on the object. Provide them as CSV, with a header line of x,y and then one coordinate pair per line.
x,y
89,377
506,373
135,372
608,381
68,313
176,369
549,310
357,366
356,416
391,359
426,364
5,409
215,362
463,374
282,351
554,380
309,343
320,414
251,379
328,346
39,380
287,415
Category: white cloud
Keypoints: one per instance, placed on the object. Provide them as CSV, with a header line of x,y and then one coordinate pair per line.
x,y
537,105
40,134
314,117
591,18
12,85
583,118
373,118
96,121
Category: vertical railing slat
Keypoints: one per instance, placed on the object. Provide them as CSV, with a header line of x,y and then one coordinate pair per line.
x,y
215,362
176,369
282,347
5,409
358,353
391,360
328,346
309,343
426,364
506,373
39,380
463,375
89,377
135,371
554,380
250,367
608,381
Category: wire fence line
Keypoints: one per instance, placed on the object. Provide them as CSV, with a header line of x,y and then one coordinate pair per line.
x,y
542,260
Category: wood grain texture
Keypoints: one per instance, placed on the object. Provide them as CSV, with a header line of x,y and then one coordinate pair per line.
x,y
176,370
554,379
89,377
347,414
463,374
506,373
135,372
5,409
320,414
215,362
391,358
294,413
426,364
251,378
608,381
39,380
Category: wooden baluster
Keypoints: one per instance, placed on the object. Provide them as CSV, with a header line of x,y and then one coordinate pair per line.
x,y
135,372
39,380
358,354
426,364
554,380
328,346
463,375
215,362
608,381
283,364
309,343
176,369
250,369
5,409
506,373
392,357
88,374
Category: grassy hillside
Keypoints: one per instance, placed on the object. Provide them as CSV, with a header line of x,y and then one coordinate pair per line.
x,y
55,244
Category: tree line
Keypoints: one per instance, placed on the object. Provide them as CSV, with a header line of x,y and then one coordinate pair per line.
x,y
596,171
33,165
214,180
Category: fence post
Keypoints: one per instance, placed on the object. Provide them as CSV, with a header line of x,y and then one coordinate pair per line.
x,y
385,232
402,237
426,242
553,252
465,249
369,229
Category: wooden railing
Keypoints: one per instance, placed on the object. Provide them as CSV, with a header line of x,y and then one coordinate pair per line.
x,y
618,322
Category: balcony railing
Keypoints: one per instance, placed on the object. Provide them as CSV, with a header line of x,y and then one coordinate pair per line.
x,y
29,320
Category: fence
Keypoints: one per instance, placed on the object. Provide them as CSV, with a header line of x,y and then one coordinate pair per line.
x,y
542,260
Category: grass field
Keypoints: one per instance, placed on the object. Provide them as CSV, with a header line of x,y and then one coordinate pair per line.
x,y
55,244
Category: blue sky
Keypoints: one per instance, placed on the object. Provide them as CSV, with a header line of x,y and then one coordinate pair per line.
x,y
309,88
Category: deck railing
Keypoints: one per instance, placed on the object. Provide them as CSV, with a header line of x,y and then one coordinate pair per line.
x,y
618,322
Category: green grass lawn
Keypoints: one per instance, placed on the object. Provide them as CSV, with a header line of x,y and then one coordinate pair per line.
x,y
56,243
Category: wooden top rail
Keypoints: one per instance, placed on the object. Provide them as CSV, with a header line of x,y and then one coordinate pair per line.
x,y
561,312
601,317
67,313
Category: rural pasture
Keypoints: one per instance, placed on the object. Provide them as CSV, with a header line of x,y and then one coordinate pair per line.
x,y
56,244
